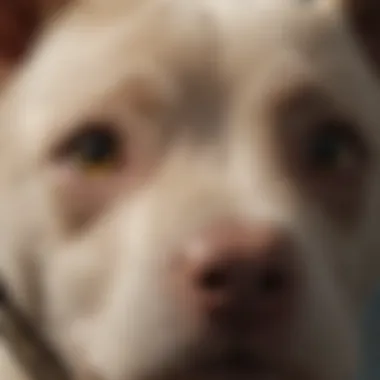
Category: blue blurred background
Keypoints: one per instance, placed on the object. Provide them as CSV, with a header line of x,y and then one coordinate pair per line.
x,y
371,341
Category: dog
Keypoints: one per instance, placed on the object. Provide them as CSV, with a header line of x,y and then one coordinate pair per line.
x,y
190,189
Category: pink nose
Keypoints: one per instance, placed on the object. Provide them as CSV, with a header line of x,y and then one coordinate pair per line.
x,y
243,278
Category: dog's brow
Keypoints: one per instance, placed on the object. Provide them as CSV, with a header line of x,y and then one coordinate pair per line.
x,y
138,94
307,99
149,95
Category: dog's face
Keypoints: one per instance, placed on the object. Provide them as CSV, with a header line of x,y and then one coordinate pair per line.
x,y
189,189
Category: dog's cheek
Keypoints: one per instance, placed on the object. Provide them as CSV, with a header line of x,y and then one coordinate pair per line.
x,y
77,280
27,227
365,272
324,313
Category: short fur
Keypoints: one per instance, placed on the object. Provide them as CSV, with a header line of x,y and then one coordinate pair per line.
x,y
197,88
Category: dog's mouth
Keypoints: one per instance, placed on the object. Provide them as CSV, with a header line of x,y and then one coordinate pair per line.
x,y
233,364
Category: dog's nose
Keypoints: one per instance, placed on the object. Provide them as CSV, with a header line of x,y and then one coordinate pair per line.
x,y
242,276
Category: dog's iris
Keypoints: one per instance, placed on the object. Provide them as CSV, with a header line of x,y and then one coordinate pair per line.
x,y
331,148
96,148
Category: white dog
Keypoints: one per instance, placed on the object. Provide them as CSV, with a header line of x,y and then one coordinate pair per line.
x,y
190,189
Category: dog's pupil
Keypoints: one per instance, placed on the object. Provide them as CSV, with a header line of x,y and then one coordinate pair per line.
x,y
326,149
97,146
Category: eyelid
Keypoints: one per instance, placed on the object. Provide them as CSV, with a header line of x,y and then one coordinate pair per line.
x,y
68,146
348,132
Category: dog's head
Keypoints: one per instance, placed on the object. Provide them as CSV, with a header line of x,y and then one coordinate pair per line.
x,y
189,189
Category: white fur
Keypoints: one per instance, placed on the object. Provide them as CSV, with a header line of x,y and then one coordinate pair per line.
x,y
104,297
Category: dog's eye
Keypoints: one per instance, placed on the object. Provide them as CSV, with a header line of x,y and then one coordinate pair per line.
x,y
332,147
97,148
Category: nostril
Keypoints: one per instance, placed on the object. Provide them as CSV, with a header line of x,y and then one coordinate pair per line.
x,y
272,281
214,279
241,279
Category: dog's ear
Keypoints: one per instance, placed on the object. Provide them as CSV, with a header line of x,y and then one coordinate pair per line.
x,y
364,19
18,22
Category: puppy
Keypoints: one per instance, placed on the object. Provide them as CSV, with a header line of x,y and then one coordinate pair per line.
x,y
190,189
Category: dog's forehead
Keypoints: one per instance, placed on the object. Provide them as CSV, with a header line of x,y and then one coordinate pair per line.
x,y
87,58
